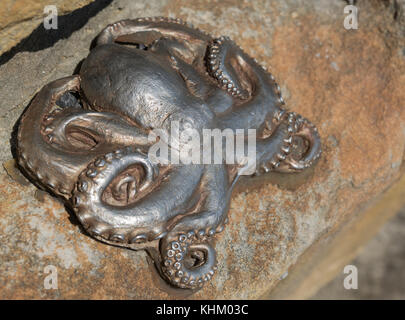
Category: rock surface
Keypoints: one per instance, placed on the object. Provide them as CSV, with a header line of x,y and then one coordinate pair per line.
x,y
380,268
348,82
18,18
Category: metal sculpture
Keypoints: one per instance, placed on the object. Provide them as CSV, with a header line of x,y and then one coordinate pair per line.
x,y
85,138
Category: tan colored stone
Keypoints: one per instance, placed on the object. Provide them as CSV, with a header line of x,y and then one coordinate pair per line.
x,y
18,18
347,82
328,256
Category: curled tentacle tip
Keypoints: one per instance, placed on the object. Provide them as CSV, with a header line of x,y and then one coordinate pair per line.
x,y
188,262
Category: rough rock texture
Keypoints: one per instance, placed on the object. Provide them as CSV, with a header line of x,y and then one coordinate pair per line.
x,y
19,17
337,248
380,267
348,82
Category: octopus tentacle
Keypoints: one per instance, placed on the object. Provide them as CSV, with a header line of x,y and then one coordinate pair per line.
x,y
217,58
177,53
271,151
146,216
216,194
109,128
66,140
300,127
243,78
149,29
189,261
277,151
179,247
225,60
37,162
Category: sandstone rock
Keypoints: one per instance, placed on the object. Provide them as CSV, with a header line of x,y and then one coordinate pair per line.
x,y
19,18
348,82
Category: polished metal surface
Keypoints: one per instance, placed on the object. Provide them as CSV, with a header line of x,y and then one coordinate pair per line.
x,y
86,138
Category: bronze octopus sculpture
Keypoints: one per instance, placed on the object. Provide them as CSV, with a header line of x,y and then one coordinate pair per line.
x,y
85,138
